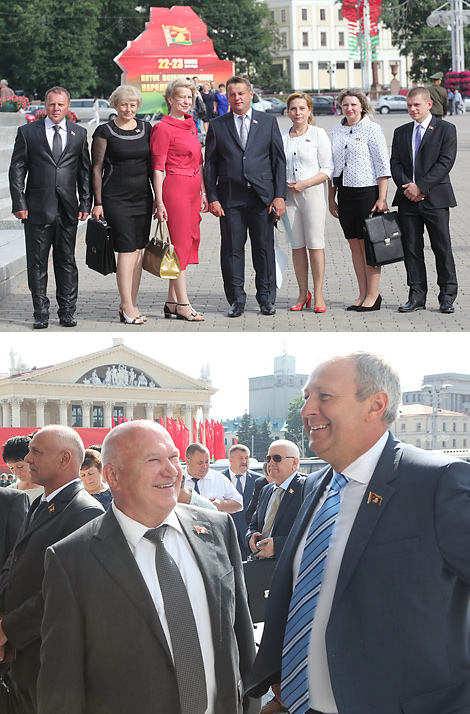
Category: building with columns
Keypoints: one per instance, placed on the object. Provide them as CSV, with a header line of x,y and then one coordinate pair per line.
x,y
89,391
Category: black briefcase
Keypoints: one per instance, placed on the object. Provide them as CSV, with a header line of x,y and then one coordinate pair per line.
x,y
258,576
99,247
382,237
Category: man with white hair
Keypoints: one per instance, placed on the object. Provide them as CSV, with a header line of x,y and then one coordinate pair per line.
x,y
368,609
5,90
55,456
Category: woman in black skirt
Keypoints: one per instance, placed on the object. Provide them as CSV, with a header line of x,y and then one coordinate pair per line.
x,y
123,193
360,182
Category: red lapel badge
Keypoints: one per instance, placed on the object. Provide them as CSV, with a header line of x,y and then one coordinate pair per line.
x,y
255,121
73,133
200,530
51,508
375,499
291,490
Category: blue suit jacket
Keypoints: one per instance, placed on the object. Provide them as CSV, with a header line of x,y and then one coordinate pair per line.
x,y
240,517
398,634
286,515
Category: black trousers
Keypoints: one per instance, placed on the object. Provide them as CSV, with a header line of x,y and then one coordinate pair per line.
x,y
414,219
61,235
253,217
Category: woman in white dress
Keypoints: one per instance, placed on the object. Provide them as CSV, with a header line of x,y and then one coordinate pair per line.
x,y
309,166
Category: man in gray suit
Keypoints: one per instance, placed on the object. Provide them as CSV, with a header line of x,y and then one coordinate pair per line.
x,y
369,613
114,638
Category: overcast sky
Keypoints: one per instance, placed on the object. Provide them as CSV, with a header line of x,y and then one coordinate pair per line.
x,y
233,358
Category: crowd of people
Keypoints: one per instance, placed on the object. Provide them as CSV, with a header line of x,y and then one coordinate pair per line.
x,y
250,176
143,606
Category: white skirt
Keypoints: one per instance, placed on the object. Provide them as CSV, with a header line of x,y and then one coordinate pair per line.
x,y
306,212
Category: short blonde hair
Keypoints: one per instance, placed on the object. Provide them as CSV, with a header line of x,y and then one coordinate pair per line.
x,y
359,94
176,84
308,100
126,92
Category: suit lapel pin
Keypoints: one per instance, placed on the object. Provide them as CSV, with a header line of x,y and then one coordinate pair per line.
x,y
73,133
431,127
200,530
51,508
375,499
291,490
255,121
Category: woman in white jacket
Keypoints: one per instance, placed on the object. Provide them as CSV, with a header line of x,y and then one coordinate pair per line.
x,y
309,166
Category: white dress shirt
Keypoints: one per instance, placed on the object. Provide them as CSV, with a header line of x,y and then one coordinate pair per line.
x,y
238,124
425,123
234,479
360,153
308,154
50,131
351,495
176,544
58,490
215,485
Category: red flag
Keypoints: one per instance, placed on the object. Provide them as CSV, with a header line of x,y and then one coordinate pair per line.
x,y
194,430
112,422
201,433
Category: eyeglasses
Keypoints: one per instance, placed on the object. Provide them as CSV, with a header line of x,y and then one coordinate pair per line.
x,y
277,458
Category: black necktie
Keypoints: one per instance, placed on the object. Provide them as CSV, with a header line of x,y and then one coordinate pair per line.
x,y
196,485
56,145
41,506
185,643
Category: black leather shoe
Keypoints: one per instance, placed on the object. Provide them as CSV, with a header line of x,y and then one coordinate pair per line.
x,y
412,306
68,320
446,307
267,308
372,308
237,309
40,323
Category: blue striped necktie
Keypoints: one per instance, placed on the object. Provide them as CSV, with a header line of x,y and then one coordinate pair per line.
x,y
294,685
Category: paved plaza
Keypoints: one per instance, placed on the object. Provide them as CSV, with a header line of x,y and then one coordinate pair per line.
x,y
98,301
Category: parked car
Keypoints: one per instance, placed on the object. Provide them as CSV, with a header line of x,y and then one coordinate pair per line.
x,y
276,106
83,108
391,103
258,102
324,104
30,112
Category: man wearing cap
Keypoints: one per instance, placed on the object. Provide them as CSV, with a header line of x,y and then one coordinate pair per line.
x,y
438,96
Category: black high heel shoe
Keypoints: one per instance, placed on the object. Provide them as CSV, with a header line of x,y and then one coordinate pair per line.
x,y
375,306
167,312
193,316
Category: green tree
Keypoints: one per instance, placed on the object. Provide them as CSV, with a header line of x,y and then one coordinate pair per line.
x,y
255,441
430,47
265,439
244,432
295,428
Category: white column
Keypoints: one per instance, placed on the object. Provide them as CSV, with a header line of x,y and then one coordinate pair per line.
x,y
169,410
108,413
86,408
129,410
63,411
16,410
188,410
149,409
40,411
6,413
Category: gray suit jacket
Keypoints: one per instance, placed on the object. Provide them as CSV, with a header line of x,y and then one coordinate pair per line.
x,y
119,661
398,633
13,509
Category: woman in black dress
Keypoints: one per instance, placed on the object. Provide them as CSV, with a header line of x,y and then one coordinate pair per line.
x,y
209,101
122,192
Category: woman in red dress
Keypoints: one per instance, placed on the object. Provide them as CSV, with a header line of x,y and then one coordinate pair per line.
x,y
180,198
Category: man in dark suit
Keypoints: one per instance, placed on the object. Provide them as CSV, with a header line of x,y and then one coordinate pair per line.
x,y
13,509
385,626
423,153
106,591
55,456
279,502
245,177
244,481
53,153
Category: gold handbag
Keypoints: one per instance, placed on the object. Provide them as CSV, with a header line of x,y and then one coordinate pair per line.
x,y
160,257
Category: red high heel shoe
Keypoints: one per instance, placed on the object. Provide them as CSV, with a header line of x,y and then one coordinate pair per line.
x,y
307,303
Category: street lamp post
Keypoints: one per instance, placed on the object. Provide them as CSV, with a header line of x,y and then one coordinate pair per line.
x,y
435,393
456,19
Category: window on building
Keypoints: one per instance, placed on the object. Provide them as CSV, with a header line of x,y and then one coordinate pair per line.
x,y
304,39
454,443
322,15
454,426
340,15
418,442
77,416
283,16
304,14
444,426
341,65
118,414
304,65
465,443
465,426
357,65
323,39
403,426
341,39
443,444
98,416
273,14
323,65
283,40
418,426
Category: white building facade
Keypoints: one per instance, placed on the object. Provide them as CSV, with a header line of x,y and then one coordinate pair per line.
x,y
418,423
315,51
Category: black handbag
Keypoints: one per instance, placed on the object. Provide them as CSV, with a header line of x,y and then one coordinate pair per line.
x,y
99,247
382,237
258,575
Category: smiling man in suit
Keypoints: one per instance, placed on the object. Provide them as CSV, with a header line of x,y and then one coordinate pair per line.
x,y
423,153
151,596
55,456
53,154
368,609
245,177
